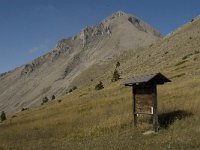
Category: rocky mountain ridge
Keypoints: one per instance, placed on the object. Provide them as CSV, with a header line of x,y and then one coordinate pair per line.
x,y
58,70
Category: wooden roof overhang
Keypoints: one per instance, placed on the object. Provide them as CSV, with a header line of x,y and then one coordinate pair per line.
x,y
156,78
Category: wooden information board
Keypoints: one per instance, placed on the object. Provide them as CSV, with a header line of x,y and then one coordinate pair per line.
x,y
143,99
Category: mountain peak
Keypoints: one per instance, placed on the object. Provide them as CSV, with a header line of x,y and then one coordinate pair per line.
x,y
119,13
115,15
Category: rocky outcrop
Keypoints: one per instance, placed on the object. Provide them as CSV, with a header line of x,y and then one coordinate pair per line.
x,y
28,68
84,35
3,74
136,23
75,62
114,16
89,33
62,46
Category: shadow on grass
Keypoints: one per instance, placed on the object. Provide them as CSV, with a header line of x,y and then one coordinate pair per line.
x,y
167,119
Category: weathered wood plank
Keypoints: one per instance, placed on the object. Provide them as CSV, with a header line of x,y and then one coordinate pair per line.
x,y
134,107
154,102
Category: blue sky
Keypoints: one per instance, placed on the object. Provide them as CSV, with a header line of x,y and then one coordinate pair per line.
x,y
30,28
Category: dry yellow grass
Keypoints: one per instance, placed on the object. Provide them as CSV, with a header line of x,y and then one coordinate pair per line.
x,y
89,119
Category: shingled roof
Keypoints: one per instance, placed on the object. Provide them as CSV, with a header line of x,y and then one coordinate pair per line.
x,y
157,77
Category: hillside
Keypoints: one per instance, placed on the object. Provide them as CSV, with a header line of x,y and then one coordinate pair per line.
x,y
90,119
70,63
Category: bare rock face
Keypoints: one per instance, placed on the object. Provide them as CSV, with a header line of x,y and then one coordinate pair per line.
x,y
108,31
75,62
62,45
136,23
98,30
84,35
115,15
3,74
28,68
66,64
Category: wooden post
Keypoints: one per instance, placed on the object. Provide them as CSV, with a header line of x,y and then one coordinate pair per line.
x,y
155,114
134,107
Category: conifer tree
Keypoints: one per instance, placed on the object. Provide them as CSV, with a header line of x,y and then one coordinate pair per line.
x,y
116,76
53,97
117,64
3,116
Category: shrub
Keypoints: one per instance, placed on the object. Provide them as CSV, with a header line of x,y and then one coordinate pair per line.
x,y
3,116
117,64
116,76
166,52
45,100
53,97
99,86
23,109
74,88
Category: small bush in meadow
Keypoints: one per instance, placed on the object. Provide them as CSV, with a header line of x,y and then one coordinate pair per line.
x,y
74,88
99,86
23,109
70,90
116,76
45,100
3,116
117,64
53,97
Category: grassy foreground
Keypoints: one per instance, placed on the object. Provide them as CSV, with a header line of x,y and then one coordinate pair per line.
x,y
89,119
